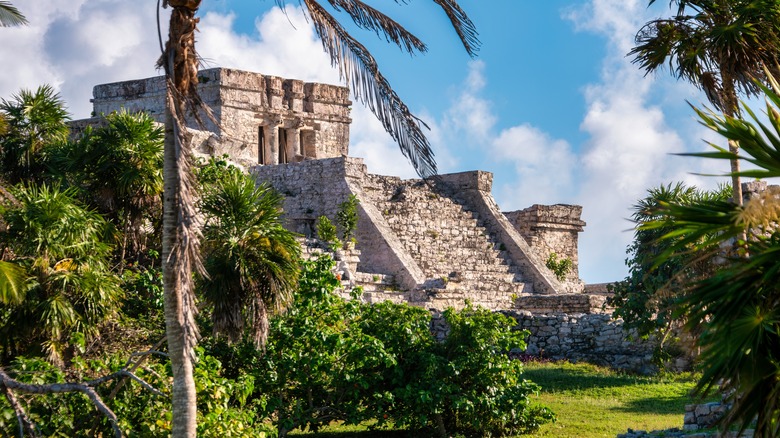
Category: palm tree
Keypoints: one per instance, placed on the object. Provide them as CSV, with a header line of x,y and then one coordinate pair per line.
x,y
118,167
10,16
737,308
35,121
647,298
719,46
251,259
59,248
180,222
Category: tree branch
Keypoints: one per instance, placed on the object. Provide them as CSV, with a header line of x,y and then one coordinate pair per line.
x,y
21,417
9,385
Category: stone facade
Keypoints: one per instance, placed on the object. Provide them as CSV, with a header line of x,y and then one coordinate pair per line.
x,y
698,422
586,337
440,242
260,119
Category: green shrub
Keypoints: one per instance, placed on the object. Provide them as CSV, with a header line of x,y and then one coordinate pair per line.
x,y
224,406
331,359
347,217
326,232
560,268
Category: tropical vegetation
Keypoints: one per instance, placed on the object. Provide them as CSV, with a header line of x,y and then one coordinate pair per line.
x,y
10,15
180,229
82,286
735,306
648,298
722,47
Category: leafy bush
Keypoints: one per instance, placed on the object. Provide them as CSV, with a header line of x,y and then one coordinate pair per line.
x,y
648,298
347,217
224,407
333,359
560,268
326,232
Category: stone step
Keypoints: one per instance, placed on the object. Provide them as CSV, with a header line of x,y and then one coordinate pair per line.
x,y
445,239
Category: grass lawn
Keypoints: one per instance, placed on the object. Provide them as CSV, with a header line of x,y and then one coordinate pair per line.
x,y
596,402
589,401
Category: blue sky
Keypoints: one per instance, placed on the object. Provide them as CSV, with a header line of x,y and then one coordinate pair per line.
x,y
551,105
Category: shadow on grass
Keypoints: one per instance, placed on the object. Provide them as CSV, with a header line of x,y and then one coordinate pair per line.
x,y
577,378
662,404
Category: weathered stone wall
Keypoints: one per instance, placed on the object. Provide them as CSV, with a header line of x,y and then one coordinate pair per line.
x,y
437,249
260,119
551,229
698,419
585,337
564,303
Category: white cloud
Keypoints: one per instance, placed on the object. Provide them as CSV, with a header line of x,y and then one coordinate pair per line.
x,y
471,115
629,138
284,44
544,167
77,44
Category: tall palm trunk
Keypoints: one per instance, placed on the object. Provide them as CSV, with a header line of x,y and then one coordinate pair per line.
x,y
184,401
181,231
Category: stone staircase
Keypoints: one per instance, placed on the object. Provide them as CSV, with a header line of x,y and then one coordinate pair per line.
x,y
376,287
458,256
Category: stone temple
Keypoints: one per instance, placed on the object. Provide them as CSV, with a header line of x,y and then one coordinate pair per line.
x,y
431,244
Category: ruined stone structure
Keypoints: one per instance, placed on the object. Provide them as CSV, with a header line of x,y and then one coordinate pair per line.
x,y
433,244
260,119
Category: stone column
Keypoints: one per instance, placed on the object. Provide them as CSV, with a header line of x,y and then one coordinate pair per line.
x,y
272,143
293,144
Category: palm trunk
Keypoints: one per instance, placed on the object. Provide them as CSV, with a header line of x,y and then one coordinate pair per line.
x,y
181,231
731,109
184,405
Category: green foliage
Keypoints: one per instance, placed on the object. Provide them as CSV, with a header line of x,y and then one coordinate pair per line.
x,y
144,291
214,171
333,359
118,170
35,120
326,232
647,299
347,218
224,405
467,384
560,268
250,258
736,307
62,249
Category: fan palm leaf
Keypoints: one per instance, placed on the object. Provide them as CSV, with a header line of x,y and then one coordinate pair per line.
x,y
60,259
252,260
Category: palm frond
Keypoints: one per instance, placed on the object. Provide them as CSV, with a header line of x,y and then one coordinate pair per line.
x,y
359,68
369,18
251,259
12,283
10,15
462,24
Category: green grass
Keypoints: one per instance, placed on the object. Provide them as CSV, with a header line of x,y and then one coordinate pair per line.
x,y
596,402
589,401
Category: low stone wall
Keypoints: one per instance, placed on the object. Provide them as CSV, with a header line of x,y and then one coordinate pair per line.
x,y
566,303
697,418
703,416
582,337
